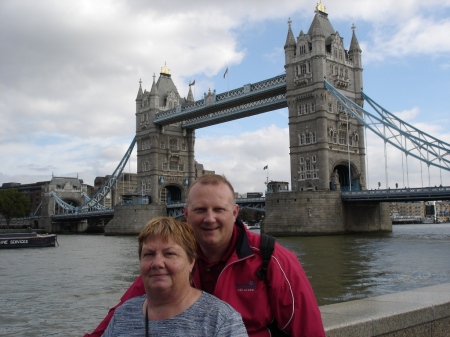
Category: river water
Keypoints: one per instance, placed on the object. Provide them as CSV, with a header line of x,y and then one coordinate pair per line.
x,y
68,289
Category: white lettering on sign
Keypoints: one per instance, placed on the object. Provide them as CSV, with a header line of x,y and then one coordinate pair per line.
x,y
14,242
3,242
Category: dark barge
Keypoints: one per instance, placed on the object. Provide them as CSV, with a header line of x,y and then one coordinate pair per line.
x,y
25,240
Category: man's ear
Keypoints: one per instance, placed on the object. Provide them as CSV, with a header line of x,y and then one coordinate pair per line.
x,y
236,211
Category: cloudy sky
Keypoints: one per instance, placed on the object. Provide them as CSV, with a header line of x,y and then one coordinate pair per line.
x,y
70,71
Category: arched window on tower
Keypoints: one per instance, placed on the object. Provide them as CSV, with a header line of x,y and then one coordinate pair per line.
x,y
340,108
342,137
301,166
303,69
173,164
302,172
173,143
335,137
308,169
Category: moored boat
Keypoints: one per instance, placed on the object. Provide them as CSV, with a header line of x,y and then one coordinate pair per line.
x,y
25,240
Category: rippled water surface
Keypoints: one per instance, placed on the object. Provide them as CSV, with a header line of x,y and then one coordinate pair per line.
x,y
68,289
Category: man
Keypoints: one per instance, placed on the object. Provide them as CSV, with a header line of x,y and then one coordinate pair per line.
x,y
227,263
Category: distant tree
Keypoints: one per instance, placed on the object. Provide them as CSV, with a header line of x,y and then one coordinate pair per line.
x,y
13,204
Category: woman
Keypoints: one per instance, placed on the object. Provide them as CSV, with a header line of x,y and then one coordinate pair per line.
x,y
171,306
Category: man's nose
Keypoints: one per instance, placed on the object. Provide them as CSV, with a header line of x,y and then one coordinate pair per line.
x,y
210,216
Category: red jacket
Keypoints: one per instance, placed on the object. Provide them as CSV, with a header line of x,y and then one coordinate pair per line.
x,y
289,299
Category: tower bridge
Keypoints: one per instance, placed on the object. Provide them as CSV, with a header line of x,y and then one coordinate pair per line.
x,y
322,90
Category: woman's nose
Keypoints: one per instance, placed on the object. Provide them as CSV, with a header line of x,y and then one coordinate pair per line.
x,y
158,261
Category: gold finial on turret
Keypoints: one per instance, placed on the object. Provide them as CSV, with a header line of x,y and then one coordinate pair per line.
x,y
165,70
321,8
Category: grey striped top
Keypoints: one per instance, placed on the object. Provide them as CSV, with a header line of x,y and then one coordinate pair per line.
x,y
207,317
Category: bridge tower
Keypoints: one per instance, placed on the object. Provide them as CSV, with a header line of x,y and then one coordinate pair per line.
x,y
165,155
326,145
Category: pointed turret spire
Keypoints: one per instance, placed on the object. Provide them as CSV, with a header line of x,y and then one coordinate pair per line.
x,y
317,27
190,97
154,90
140,94
154,98
354,44
290,40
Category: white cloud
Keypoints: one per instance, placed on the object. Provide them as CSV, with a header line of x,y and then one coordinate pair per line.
x,y
242,157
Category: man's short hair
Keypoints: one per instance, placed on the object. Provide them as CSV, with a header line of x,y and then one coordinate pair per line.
x,y
211,179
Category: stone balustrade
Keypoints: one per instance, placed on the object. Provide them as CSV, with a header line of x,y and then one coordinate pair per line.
x,y
423,312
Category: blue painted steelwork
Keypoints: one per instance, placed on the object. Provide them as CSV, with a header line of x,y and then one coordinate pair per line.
x,y
108,212
94,203
249,100
237,112
400,194
37,209
401,135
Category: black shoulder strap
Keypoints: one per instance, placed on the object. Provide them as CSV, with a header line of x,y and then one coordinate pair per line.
x,y
266,247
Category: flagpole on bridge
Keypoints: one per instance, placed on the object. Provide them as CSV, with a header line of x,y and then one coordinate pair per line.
x,y
193,84
267,177
228,80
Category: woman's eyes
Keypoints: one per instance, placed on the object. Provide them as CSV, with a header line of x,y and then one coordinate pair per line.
x,y
149,254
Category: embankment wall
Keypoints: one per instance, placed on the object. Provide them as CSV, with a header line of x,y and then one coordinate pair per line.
x,y
423,312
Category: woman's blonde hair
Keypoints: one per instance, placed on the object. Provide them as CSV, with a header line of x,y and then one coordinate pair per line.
x,y
166,227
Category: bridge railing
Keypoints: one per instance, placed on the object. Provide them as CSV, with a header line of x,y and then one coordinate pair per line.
x,y
274,83
420,193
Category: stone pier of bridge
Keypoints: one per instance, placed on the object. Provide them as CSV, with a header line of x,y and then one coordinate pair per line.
x,y
322,213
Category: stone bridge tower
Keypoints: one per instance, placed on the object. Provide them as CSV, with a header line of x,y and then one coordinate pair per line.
x,y
165,155
326,145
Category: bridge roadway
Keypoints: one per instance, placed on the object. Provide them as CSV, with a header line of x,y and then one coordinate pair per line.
x,y
399,194
174,210
249,100
386,195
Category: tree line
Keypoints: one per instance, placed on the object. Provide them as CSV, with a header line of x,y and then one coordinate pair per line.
x,y
14,204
